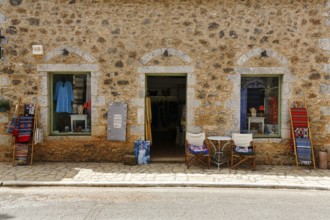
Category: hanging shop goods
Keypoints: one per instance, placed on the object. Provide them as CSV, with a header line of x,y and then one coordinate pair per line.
x,y
301,138
12,123
142,151
148,133
24,135
39,133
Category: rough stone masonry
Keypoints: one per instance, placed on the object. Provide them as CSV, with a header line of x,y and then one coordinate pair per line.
x,y
119,41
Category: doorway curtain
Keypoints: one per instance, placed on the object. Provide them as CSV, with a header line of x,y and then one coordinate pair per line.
x,y
148,135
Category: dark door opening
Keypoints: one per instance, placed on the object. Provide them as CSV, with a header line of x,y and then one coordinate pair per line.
x,y
168,103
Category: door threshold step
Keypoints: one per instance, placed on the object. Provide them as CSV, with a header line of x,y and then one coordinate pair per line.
x,y
168,159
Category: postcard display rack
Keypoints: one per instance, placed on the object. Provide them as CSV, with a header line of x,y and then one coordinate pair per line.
x,y
23,134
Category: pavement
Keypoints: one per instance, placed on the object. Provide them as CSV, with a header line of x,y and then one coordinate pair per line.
x,y
161,175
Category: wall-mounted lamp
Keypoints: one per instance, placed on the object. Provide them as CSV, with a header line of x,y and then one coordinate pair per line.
x,y
264,53
165,53
65,52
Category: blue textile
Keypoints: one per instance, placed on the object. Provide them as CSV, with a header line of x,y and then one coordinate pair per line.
x,y
303,142
243,108
64,96
24,126
194,149
303,149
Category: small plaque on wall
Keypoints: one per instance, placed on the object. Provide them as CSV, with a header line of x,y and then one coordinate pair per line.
x,y
117,115
37,50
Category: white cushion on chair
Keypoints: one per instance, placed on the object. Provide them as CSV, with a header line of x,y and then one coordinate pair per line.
x,y
195,139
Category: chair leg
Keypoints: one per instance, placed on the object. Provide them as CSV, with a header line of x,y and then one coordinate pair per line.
x,y
253,164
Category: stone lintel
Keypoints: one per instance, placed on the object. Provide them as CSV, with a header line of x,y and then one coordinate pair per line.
x,y
67,67
165,69
262,70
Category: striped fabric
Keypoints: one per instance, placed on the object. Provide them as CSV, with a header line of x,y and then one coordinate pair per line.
x,y
299,117
304,150
299,120
25,125
21,154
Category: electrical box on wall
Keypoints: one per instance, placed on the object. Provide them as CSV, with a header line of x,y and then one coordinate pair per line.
x,y
37,50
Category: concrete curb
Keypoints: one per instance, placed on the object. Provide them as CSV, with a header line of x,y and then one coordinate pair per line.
x,y
159,184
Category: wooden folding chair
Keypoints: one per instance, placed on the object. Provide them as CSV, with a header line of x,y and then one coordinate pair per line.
x,y
243,151
197,150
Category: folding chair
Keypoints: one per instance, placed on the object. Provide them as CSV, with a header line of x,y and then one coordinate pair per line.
x,y
197,150
243,151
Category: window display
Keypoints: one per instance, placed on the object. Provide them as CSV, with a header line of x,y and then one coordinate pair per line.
x,y
259,106
71,111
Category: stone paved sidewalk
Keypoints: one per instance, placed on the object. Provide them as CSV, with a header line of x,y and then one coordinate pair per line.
x,y
161,174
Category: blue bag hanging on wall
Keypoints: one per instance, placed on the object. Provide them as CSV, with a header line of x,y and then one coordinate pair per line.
x,y
142,151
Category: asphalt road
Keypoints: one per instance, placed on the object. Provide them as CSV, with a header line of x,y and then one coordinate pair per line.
x,y
162,203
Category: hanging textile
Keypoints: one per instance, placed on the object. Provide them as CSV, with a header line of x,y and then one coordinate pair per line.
x,y
63,95
148,135
243,108
164,111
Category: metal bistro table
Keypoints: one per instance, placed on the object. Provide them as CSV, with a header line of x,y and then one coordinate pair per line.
x,y
218,157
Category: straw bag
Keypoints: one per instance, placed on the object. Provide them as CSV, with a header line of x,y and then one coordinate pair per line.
x,y
39,132
12,123
39,136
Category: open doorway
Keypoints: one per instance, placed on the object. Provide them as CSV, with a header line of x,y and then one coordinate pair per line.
x,y
168,110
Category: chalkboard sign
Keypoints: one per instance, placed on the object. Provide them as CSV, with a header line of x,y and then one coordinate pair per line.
x,y
117,114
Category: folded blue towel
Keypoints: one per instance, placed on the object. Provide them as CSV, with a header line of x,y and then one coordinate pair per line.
x,y
304,149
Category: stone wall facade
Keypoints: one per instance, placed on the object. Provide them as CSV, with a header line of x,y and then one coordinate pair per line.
x,y
213,42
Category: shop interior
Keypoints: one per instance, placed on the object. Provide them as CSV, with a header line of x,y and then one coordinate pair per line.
x,y
168,100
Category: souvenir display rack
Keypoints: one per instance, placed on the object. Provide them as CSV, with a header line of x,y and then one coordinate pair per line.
x,y
23,135
301,137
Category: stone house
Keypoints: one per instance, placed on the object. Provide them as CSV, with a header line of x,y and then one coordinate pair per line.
x,y
211,61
